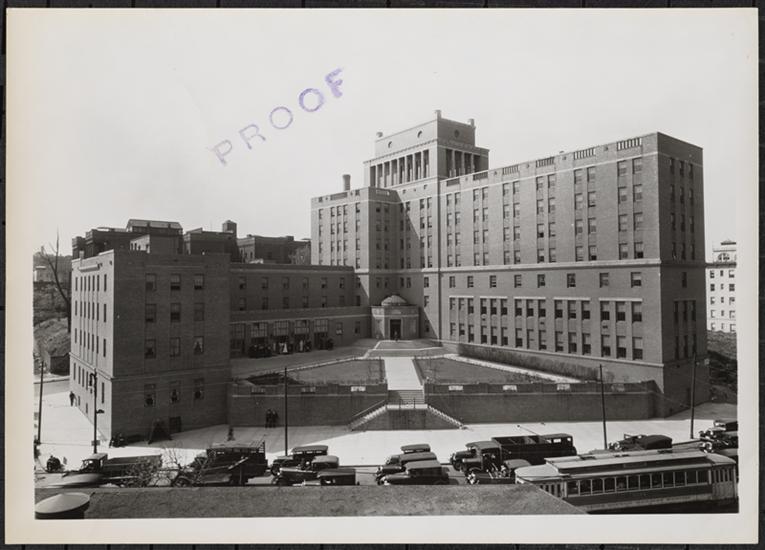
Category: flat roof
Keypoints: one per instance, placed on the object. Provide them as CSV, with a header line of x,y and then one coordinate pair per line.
x,y
363,500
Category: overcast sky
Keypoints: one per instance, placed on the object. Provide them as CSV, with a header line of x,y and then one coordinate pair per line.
x,y
113,114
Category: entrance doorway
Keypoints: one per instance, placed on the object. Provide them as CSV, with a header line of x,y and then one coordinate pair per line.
x,y
395,329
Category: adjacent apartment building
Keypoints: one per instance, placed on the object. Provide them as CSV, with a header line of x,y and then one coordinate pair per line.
x,y
157,316
585,258
721,288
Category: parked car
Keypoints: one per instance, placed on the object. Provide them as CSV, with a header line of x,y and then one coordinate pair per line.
x,y
505,474
99,469
719,427
719,441
224,464
396,463
415,448
641,443
420,472
308,472
339,476
478,456
302,455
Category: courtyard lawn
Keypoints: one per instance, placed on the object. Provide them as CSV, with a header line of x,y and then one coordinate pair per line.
x,y
351,372
441,369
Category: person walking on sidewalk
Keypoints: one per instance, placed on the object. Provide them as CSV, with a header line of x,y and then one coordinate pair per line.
x,y
71,399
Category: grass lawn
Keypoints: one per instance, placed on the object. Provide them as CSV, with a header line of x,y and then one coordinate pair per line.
x,y
448,370
354,372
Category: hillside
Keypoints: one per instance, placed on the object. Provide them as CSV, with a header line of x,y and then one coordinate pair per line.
x,y
723,366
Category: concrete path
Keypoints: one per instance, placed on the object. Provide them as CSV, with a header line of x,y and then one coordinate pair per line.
x,y
401,374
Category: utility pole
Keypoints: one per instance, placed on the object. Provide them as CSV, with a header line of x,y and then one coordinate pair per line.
x,y
285,413
94,381
693,392
39,407
603,406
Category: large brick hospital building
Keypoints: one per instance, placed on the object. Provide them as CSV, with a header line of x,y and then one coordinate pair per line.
x,y
583,259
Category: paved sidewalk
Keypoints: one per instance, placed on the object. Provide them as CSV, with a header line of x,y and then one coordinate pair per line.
x,y
401,374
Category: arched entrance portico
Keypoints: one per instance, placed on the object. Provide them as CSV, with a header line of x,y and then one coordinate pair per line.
x,y
394,319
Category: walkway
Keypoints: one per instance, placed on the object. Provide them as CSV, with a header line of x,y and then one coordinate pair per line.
x,y
401,374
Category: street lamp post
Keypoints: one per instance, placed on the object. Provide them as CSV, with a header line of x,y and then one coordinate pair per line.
x,y
96,410
285,412
693,393
603,407
39,406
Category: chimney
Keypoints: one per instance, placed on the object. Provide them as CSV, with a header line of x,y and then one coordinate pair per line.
x,y
438,113
379,135
471,121
346,182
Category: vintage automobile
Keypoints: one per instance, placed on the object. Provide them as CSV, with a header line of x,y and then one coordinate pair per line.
x,y
719,441
339,476
420,472
505,474
224,464
718,428
99,469
415,448
406,450
309,472
482,456
300,456
396,463
641,443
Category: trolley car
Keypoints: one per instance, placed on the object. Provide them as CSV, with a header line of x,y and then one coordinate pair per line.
x,y
640,479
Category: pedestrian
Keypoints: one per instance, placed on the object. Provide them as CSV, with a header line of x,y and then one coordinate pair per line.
x,y
268,418
274,418
71,399
230,434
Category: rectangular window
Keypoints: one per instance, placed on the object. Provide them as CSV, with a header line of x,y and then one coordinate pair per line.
x,y
636,279
175,347
638,250
621,311
470,281
517,281
175,281
242,281
570,280
149,348
637,312
637,192
572,309
621,347
540,280
199,311
242,304
623,251
199,345
149,395
199,281
151,281
175,312
637,165
452,281
558,305
605,311
492,281
151,313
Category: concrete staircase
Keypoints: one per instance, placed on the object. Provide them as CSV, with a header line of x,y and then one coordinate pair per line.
x,y
405,407
406,397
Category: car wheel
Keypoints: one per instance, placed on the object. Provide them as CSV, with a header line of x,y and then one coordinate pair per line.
x,y
182,482
275,470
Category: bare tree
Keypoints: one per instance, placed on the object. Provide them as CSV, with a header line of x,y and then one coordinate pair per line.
x,y
53,263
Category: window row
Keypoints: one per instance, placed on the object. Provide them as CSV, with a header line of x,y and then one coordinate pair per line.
x,y
89,341
174,349
541,280
174,393
88,283
175,281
